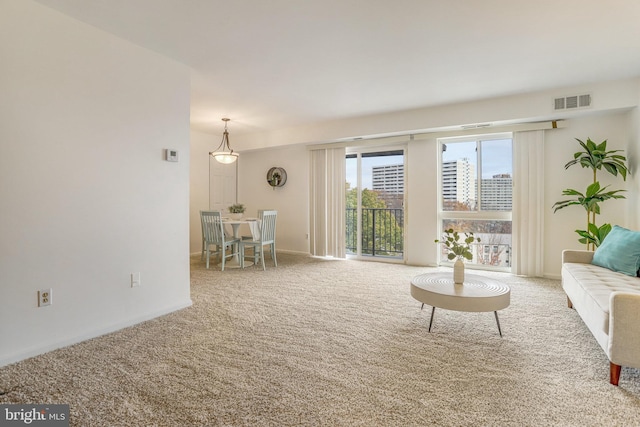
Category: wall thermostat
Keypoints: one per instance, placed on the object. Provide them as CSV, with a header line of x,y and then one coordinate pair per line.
x,y
171,155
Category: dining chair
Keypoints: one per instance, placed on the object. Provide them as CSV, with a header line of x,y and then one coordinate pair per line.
x,y
203,240
213,234
267,220
259,216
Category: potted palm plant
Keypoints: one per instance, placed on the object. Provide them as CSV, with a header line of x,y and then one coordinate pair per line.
x,y
459,249
595,157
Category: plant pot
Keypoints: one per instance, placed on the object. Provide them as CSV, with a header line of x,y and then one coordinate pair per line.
x,y
236,215
458,272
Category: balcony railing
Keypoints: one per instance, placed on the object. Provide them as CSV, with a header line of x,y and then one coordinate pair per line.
x,y
382,232
383,236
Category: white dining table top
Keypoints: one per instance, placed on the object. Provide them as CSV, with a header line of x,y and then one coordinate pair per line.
x,y
228,220
254,226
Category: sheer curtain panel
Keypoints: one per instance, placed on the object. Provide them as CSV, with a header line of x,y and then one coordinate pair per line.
x,y
327,237
528,202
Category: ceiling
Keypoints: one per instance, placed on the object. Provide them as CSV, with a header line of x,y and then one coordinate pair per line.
x,y
269,64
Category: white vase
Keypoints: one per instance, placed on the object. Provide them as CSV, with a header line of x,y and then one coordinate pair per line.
x,y
458,271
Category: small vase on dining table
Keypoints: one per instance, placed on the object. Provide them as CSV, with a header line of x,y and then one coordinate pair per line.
x,y
458,272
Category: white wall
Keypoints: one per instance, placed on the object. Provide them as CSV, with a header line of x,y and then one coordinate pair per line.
x,y
201,145
291,201
87,198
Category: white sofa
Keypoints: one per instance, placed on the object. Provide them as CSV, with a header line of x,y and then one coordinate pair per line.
x,y
609,304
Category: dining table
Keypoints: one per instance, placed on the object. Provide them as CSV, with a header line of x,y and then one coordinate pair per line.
x,y
235,223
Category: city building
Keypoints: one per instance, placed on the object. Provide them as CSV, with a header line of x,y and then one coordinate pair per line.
x,y
388,179
496,193
388,182
459,183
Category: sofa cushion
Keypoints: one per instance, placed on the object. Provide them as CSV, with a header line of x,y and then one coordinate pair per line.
x,y
619,251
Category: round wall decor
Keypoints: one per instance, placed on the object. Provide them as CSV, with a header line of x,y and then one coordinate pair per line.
x,y
276,177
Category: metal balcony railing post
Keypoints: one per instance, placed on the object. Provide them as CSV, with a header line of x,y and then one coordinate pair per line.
x,y
373,232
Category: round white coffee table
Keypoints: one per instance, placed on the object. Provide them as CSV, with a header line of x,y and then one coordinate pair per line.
x,y
477,294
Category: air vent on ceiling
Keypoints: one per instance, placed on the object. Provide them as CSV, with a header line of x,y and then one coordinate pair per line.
x,y
572,102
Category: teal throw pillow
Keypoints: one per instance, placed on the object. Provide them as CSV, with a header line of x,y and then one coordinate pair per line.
x,y
619,251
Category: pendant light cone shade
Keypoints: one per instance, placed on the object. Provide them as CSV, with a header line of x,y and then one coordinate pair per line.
x,y
224,153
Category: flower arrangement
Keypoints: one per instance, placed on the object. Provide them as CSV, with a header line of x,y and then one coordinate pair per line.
x,y
458,248
275,179
237,208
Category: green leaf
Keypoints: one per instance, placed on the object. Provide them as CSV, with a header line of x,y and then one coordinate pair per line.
x,y
593,189
586,162
603,232
602,146
611,169
571,192
623,173
583,145
563,204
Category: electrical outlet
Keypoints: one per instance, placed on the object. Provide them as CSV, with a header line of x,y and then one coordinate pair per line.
x,y
44,297
135,280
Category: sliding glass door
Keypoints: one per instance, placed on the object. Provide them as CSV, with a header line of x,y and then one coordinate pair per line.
x,y
375,182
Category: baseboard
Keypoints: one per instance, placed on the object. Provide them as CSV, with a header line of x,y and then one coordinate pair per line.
x,y
36,351
286,251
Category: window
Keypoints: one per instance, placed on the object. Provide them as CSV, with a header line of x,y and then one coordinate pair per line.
x,y
476,188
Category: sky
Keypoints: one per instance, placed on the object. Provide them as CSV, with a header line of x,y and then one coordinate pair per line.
x,y
367,164
496,156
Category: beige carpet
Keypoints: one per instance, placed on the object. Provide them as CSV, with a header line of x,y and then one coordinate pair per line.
x,y
325,342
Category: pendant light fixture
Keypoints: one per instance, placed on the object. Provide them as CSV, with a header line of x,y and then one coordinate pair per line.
x,y
224,153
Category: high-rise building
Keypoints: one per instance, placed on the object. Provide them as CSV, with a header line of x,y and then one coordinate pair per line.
x,y
388,182
496,193
388,179
459,182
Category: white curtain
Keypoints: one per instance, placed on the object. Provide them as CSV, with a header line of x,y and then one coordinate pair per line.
x,y
528,202
327,204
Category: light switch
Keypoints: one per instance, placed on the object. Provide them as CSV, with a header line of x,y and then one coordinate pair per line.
x,y
135,279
